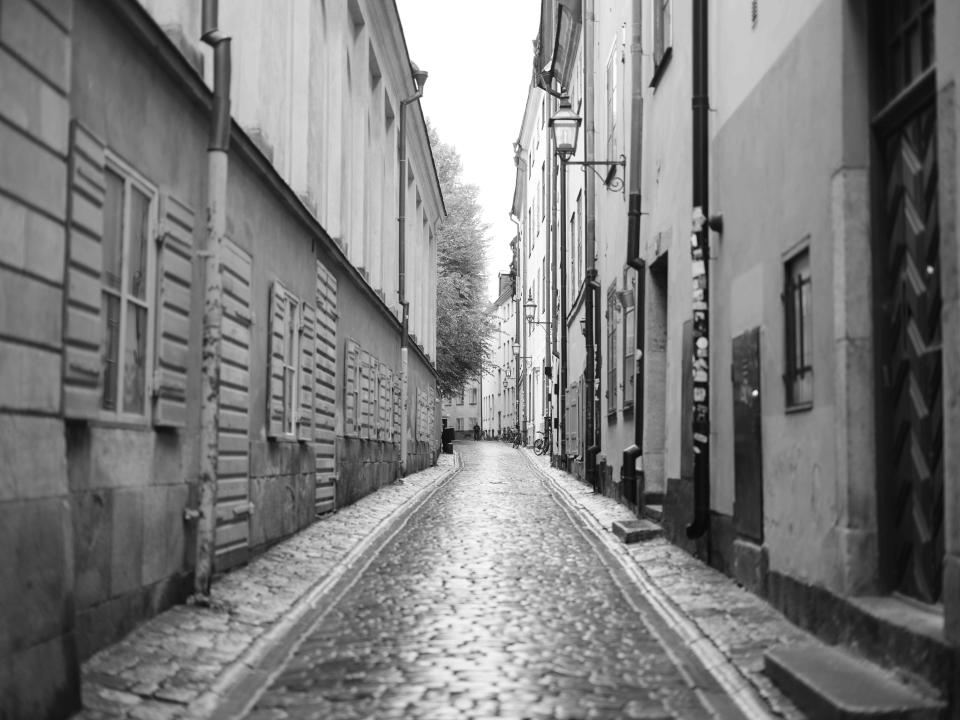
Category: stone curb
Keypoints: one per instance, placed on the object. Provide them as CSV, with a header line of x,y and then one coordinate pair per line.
x,y
736,686
360,538
279,642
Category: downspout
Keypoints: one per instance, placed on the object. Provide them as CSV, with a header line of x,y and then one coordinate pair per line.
x,y
402,275
562,324
517,300
591,428
700,255
549,281
217,156
628,466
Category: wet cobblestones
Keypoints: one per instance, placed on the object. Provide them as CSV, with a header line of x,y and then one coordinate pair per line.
x,y
491,603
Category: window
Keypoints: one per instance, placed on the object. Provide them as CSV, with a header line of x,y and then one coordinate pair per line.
x,y
612,103
662,37
612,308
288,309
460,423
629,339
126,280
473,396
579,235
799,336
460,398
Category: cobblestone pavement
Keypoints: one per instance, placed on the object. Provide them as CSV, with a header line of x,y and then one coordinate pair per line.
x,y
180,663
492,602
735,625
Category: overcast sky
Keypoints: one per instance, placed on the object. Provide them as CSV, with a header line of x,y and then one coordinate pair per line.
x,y
479,57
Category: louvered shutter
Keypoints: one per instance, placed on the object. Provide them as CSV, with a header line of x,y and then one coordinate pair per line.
x,y
385,388
351,425
82,331
397,409
365,404
174,272
275,364
325,392
307,343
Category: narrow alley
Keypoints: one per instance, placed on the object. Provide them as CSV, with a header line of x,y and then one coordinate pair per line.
x,y
492,602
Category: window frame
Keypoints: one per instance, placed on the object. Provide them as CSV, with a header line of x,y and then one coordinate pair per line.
x,y
132,179
798,361
293,322
629,340
662,38
611,316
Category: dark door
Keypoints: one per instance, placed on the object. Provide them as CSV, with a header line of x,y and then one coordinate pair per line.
x,y
747,451
907,264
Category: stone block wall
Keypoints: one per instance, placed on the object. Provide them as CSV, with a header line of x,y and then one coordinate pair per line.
x,y
38,672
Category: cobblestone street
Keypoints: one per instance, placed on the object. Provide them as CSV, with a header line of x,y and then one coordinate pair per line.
x,y
491,603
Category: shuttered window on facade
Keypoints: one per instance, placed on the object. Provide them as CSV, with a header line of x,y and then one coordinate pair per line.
x,y
612,312
324,389
351,389
233,418
127,298
284,352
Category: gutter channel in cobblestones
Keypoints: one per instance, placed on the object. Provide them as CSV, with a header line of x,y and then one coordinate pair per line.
x,y
241,684
738,697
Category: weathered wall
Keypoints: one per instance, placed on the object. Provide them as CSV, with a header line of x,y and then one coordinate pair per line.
x,y
131,483
784,144
38,674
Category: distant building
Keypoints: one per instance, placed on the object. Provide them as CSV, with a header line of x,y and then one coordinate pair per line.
x,y
463,411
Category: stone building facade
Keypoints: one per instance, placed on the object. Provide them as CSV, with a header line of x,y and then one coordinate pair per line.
x,y
105,113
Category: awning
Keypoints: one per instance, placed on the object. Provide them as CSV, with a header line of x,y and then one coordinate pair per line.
x,y
556,46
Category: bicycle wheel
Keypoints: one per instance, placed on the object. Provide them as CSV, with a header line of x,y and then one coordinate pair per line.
x,y
538,446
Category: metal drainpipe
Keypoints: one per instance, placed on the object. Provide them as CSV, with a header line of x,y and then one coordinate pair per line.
x,y
591,427
628,466
562,324
402,277
518,298
217,157
700,254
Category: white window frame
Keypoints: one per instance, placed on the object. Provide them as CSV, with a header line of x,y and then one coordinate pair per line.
x,y
292,322
132,179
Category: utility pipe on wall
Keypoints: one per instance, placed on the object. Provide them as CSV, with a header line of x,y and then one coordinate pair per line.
x,y
217,159
628,467
420,77
700,255
591,427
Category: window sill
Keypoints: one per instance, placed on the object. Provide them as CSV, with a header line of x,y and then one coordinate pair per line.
x,y
661,67
798,408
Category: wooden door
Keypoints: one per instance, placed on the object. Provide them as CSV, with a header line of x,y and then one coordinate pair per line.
x,y
907,287
747,448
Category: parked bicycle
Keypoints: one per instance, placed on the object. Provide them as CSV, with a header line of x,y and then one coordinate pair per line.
x,y
541,446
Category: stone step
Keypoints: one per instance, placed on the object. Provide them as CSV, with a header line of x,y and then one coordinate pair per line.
x,y
634,531
653,512
829,683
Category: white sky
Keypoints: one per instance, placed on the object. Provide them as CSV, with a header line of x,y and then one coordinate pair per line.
x,y
479,57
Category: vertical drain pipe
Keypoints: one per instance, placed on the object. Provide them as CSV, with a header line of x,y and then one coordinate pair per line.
x,y
217,157
591,443
628,467
700,256
420,79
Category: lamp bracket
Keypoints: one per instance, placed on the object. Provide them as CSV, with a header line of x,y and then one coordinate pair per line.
x,y
610,180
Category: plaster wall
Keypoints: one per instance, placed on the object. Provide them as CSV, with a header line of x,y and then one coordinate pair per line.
x,y
948,119
665,232
788,172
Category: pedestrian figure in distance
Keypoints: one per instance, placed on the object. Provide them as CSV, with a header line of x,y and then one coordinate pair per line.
x,y
476,432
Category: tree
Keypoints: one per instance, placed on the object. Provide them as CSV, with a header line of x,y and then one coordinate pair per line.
x,y
463,327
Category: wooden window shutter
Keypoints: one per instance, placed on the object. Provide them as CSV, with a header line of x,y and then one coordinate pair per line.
x,y
278,302
174,273
307,344
397,408
325,360
351,424
385,392
82,363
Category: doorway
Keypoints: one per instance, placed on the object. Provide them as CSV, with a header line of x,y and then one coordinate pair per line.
x,y
907,301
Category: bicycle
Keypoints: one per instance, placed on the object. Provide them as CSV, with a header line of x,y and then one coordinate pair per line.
x,y
541,446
